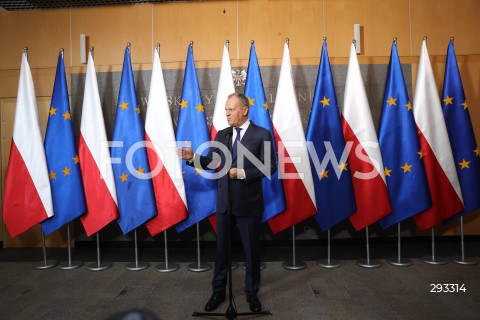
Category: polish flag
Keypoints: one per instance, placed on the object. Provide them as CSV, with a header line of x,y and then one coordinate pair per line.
x,y
171,200
293,161
27,198
94,155
366,164
435,149
225,88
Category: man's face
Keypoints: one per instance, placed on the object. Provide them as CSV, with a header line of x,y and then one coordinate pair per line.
x,y
235,112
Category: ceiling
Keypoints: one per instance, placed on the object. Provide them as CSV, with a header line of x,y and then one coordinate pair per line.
x,y
16,5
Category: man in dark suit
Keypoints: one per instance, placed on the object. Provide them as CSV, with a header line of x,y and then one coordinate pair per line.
x,y
240,186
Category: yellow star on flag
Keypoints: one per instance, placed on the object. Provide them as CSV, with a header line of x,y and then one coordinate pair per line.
x,y
392,101
67,116
465,106
200,108
76,159
325,102
420,153
140,170
409,106
407,167
464,164
323,174
52,175
265,105
343,166
448,100
251,101
124,177
197,171
137,109
183,105
387,172
53,111
124,105
66,171
477,152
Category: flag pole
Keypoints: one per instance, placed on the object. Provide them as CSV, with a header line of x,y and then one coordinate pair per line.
x,y
433,259
199,266
98,266
368,263
165,266
45,264
399,261
463,260
328,263
69,265
293,265
137,265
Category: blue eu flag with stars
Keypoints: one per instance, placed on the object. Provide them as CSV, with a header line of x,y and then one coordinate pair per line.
x,y
460,132
192,128
273,196
333,184
136,200
400,147
62,159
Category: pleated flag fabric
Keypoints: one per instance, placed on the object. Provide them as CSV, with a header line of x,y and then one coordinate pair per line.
x,y
466,153
27,198
167,177
192,129
366,164
293,162
259,113
436,150
62,159
93,152
398,137
136,199
332,180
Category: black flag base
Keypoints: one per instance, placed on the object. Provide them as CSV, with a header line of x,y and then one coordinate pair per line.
x,y
231,313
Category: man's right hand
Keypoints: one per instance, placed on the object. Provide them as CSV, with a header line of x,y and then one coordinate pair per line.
x,y
185,153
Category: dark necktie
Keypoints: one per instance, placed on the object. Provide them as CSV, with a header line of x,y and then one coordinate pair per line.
x,y
234,146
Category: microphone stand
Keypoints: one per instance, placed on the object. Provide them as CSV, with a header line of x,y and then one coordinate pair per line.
x,y
231,312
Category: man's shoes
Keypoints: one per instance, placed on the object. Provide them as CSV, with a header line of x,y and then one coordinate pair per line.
x,y
255,305
215,300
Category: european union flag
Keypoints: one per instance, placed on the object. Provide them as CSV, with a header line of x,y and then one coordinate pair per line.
x,y
136,200
400,146
273,195
332,180
460,132
192,128
62,159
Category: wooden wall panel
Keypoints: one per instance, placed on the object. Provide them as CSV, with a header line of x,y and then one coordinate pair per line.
x,y
43,32
109,29
380,21
441,19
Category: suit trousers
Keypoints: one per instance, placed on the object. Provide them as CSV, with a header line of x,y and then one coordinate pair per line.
x,y
249,228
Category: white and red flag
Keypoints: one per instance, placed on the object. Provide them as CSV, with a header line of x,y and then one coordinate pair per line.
x,y
366,164
166,172
293,161
27,198
435,149
94,155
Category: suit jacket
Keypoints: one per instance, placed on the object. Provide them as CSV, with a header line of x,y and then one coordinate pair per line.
x,y
246,196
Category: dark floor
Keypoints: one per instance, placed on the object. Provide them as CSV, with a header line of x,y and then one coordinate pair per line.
x,y
346,292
